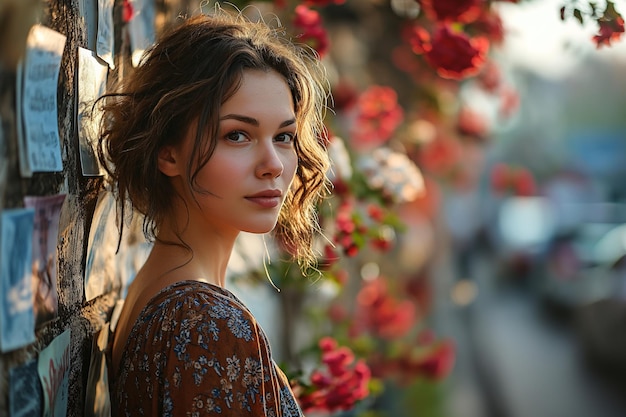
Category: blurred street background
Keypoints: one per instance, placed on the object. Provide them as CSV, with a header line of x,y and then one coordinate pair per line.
x,y
533,289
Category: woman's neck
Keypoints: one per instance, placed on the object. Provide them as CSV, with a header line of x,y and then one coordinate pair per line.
x,y
195,254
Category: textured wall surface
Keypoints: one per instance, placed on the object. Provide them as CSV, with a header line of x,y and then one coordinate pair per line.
x,y
83,318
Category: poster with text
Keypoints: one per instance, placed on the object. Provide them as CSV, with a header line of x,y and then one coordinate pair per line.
x,y
54,373
44,264
25,395
100,262
40,147
17,321
92,76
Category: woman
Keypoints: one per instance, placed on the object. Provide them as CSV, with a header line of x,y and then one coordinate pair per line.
x,y
216,132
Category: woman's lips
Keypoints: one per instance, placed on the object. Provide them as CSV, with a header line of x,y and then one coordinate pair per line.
x,y
267,198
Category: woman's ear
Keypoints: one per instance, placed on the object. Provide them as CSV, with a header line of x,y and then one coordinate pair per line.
x,y
168,161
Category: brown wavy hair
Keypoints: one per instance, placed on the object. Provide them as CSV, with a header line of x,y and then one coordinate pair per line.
x,y
184,78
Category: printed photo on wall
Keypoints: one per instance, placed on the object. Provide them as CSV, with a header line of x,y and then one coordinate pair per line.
x,y
100,262
44,264
54,373
17,320
92,77
97,399
36,97
25,394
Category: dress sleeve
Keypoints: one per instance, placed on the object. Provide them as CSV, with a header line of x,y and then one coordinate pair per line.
x,y
203,356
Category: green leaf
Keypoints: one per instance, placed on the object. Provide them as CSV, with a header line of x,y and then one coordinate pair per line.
x,y
579,16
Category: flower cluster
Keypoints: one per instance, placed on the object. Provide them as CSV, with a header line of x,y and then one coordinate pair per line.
x,y
392,144
357,224
512,179
433,361
339,385
380,314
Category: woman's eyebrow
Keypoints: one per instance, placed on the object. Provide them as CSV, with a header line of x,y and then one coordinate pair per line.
x,y
253,121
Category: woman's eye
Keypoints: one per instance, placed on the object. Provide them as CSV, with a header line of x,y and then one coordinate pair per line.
x,y
236,136
285,137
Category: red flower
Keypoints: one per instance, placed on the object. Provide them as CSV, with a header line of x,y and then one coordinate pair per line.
x,y
440,156
280,4
524,183
381,314
439,363
127,11
509,102
306,18
516,180
462,11
490,77
339,385
455,55
499,177
417,37
345,95
472,124
376,212
323,2
490,25
313,33
611,26
378,116
609,30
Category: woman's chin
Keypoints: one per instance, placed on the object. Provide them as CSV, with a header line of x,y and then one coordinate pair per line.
x,y
260,229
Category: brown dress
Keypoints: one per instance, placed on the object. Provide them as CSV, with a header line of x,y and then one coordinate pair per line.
x,y
196,350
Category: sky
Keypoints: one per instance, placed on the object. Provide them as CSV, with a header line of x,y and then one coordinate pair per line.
x,y
537,39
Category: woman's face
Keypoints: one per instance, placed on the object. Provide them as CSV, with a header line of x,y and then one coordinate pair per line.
x,y
254,163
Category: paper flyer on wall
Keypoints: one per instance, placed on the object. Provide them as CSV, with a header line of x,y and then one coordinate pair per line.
x,y
141,29
92,77
100,262
106,35
40,146
17,321
44,263
54,373
97,399
25,394
4,163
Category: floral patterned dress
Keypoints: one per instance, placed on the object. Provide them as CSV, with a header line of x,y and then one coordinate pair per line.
x,y
196,350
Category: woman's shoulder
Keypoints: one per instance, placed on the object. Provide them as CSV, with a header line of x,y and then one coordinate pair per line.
x,y
194,305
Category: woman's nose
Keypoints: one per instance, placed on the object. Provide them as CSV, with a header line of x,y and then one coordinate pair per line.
x,y
270,164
